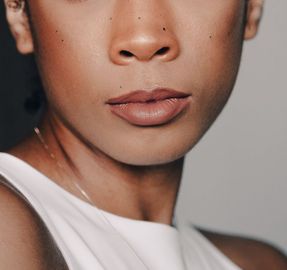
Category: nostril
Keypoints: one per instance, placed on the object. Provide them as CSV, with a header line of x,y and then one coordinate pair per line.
x,y
162,51
126,53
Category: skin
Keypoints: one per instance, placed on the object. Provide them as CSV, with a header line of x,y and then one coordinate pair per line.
x,y
128,170
138,175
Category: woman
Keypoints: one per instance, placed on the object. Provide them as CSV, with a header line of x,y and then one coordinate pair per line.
x,y
131,87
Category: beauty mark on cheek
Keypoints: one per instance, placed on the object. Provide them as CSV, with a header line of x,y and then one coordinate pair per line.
x,y
57,31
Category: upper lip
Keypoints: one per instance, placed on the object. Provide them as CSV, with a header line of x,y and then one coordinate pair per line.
x,y
145,96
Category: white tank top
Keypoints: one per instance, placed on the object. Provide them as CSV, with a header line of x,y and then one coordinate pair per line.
x,y
88,241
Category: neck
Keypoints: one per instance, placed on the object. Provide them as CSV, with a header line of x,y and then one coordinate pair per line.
x,y
137,192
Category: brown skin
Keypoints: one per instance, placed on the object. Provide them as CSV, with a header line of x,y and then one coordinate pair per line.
x,y
139,167
25,242
128,170
249,254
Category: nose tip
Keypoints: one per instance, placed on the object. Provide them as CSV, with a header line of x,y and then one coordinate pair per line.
x,y
143,48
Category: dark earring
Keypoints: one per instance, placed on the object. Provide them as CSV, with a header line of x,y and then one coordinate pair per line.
x,y
15,5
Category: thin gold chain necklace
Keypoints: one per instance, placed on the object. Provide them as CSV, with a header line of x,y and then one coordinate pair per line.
x,y
85,195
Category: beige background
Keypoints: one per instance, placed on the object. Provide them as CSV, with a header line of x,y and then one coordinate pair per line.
x,y
235,180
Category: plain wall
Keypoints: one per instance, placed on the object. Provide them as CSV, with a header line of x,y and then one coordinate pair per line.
x,y
235,179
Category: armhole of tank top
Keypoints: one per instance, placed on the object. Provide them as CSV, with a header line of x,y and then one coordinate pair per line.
x,y
59,258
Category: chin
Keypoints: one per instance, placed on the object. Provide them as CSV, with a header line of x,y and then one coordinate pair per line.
x,y
148,146
148,160
151,155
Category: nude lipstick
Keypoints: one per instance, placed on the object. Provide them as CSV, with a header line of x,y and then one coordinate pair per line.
x,y
149,108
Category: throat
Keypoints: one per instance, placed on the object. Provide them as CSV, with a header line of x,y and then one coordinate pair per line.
x,y
146,193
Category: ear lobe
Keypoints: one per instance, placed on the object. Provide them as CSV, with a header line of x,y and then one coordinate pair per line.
x,y
253,17
19,25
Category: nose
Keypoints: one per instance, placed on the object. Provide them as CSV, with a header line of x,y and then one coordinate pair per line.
x,y
140,47
142,36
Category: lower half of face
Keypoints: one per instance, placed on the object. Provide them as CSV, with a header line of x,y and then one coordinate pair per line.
x,y
79,49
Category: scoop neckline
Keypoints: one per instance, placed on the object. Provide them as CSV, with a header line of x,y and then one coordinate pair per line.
x,y
85,203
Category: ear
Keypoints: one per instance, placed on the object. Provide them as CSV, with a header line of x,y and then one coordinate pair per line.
x,y
16,14
253,17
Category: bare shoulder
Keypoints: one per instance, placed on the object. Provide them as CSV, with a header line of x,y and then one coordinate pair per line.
x,y
24,244
247,253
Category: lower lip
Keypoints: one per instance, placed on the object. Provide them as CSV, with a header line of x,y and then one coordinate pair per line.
x,y
150,113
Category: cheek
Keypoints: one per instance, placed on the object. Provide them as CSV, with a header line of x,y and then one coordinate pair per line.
x,y
69,52
212,51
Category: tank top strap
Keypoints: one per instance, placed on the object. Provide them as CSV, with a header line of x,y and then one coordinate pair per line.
x,y
84,238
68,225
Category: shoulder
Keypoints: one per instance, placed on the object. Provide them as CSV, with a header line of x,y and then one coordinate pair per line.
x,y
23,241
247,253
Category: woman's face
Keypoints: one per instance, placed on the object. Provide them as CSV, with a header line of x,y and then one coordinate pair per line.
x,y
78,44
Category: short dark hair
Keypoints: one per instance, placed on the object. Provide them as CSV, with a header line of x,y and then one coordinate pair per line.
x,y
36,99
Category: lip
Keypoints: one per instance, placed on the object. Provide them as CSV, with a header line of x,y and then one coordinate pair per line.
x,y
144,108
145,96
